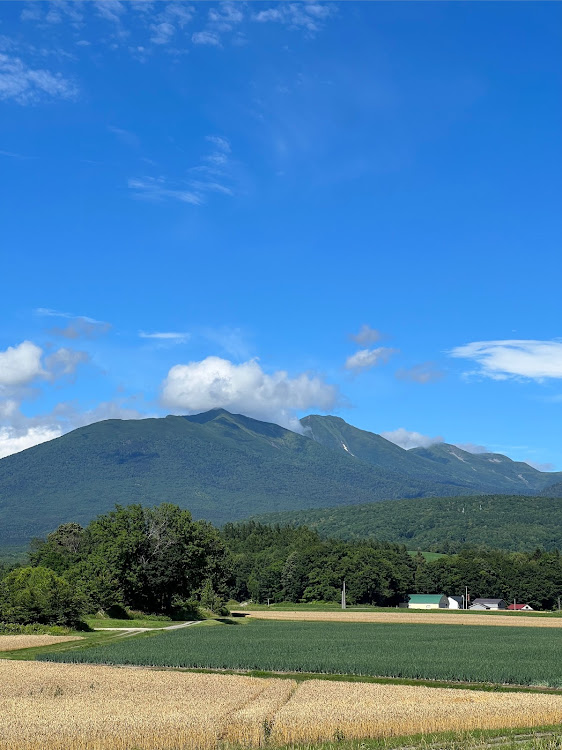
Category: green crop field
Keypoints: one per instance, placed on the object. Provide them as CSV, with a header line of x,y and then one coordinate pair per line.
x,y
512,655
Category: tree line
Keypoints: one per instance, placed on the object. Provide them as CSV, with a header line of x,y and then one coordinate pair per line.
x,y
288,563
160,560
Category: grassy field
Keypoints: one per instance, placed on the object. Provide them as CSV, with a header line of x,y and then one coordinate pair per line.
x,y
77,707
428,556
520,656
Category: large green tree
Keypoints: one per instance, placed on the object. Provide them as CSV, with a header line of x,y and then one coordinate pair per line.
x,y
37,594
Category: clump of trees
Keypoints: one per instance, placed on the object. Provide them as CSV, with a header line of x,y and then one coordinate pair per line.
x,y
150,559
287,563
38,595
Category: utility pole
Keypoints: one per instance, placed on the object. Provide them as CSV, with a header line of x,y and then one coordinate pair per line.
x,y
343,603
466,597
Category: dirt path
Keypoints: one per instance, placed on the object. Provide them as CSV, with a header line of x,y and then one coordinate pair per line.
x,y
132,631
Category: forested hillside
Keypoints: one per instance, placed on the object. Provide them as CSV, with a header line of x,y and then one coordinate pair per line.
x,y
483,472
221,466
226,467
442,524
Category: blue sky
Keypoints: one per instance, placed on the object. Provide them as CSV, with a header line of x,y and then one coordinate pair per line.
x,y
283,208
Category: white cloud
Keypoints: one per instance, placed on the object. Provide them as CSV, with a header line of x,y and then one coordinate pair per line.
x,y
426,372
472,448
209,38
165,335
541,466
501,360
20,364
218,383
18,432
69,416
79,326
226,17
406,439
158,189
65,361
26,85
207,177
307,16
111,10
125,136
14,441
366,336
364,359
222,143
162,33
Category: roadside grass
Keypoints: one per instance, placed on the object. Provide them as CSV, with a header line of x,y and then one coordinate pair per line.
x,y
452,654
538,738
109,622
89,639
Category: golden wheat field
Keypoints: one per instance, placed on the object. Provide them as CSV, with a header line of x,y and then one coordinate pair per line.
x,y
405,617
47,706
14,642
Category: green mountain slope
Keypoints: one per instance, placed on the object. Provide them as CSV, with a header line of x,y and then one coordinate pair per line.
x,y
553,490
338,435
483,472
443,524
221,466
492,469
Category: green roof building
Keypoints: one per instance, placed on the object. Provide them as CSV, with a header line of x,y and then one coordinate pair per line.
x,y
428,601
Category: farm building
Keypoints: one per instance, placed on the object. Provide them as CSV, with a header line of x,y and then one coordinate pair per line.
x,y
521,607
428,601
456,602
488,604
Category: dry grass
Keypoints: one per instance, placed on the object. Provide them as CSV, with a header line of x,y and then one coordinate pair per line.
x,y
14,642
75,707
405,617
322,710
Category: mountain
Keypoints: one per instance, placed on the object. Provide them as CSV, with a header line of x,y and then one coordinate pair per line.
x,y
553,490
226,467
221,466
488,472
507,522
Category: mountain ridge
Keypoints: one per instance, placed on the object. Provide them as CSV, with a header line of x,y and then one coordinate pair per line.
x,y
221,466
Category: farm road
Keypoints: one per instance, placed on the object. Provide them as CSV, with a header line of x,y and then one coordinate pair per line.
x,y
132,631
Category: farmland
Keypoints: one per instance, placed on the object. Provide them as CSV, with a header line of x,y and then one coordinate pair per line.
x,y
15,642
432,652
410,617
72,707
